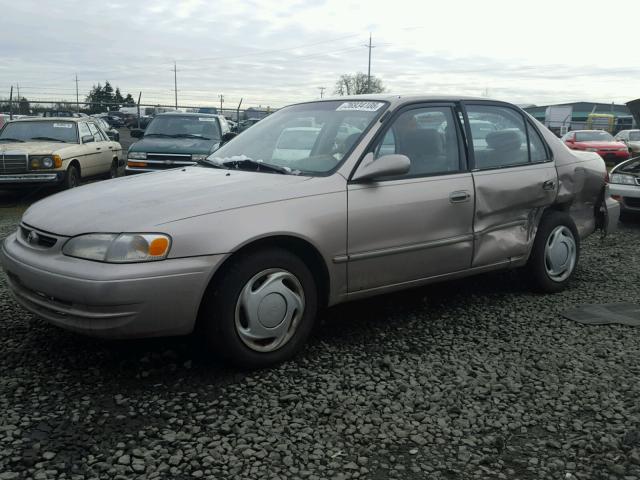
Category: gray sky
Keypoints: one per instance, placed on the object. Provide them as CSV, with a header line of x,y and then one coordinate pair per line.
x,y
274,52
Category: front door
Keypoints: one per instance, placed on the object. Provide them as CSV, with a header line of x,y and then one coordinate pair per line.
x,y
515,180
418,225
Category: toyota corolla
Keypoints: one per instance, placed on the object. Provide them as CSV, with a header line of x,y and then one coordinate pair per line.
x,y
246,246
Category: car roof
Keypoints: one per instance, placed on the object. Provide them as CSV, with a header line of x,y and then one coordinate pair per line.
x,y
187,114
583,131
54,119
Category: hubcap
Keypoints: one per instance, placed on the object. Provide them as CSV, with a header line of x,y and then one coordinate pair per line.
x,y
560,254
269,310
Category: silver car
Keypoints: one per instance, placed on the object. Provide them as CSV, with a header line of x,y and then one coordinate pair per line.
x,y
246,246
624,185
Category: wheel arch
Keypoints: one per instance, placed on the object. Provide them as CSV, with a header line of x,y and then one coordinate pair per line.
x,y
298,246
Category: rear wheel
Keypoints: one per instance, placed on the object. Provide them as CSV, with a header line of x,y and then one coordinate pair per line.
x,y
113,171
555,253
261,312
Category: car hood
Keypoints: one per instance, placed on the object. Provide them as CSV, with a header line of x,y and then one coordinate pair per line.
x,y
601,144
173,145
34,147
146,202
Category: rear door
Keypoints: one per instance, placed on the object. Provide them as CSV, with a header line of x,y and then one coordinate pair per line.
x,y
515,180
104,154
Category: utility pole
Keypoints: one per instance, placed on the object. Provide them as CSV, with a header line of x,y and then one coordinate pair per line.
x,y
322,89
138,105
18,88
175,82
11,104
370,46
77,95
221,100
238,112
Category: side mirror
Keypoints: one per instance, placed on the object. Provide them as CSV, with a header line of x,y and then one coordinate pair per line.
x,y
88,139
385,166
228,136
136,132
111,135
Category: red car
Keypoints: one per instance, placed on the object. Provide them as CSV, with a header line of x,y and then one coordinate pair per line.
x,y
597,141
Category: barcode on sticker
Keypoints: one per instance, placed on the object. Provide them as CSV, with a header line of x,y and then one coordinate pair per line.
x,y
360,106
62,125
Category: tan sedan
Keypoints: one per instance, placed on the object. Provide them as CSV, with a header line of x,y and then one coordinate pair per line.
x,y
56,151
390,192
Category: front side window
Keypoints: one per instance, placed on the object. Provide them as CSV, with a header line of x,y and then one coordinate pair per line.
x,y
310,138
47,131
83,128
499,137
427,136
634,136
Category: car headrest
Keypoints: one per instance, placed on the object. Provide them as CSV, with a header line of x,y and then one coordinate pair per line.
x,y
425,142
504,140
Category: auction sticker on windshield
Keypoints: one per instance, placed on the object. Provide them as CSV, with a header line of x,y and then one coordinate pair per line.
x,y
207,119
62,125
360,106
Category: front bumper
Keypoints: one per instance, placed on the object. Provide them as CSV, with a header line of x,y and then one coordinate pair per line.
x,y
627,195
107,300
31,178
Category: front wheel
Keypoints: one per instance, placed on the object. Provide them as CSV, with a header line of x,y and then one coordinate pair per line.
x,y
555,253
261,311
71,178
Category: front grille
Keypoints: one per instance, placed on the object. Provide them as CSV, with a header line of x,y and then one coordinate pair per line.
x,y
632,202
178,157
11,164
34,238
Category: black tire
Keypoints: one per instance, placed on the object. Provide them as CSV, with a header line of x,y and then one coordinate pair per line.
x,y
217,319
72,178
113,170
537,268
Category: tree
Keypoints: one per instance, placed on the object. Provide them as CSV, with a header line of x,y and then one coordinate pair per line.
x,y
118,96
24,107
129,101
358,84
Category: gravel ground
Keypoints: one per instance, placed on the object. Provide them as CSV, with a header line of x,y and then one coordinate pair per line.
x,y
469,379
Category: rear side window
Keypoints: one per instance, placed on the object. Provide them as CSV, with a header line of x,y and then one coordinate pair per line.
x,y
537,149
499,136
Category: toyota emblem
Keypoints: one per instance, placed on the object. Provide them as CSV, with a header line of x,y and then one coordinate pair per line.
x,y
32,237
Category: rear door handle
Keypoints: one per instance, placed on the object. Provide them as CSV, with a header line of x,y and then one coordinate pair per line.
x,y
459,196
549,185
97,148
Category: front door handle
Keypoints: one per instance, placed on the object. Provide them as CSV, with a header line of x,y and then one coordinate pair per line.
x,y
549,185
459,196
97,148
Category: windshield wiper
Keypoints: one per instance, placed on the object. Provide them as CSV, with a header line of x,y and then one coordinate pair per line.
x,y
157,135
49,139
250,164
209,163
189,135
8,139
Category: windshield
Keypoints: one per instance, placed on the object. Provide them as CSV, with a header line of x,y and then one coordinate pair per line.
x,y
634,136
632,167
40,130
595,136
310,138
177,126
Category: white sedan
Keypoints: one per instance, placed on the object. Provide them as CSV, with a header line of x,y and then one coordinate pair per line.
x,y
624,185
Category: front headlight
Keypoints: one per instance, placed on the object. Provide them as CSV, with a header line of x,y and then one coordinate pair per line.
x,y
199,157
622,179
119,248
591,149
39,162
137,155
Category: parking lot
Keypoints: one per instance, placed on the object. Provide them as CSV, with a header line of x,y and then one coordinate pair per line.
x,y
476,378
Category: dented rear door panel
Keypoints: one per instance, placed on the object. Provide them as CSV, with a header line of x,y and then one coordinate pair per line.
x,y
509,204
